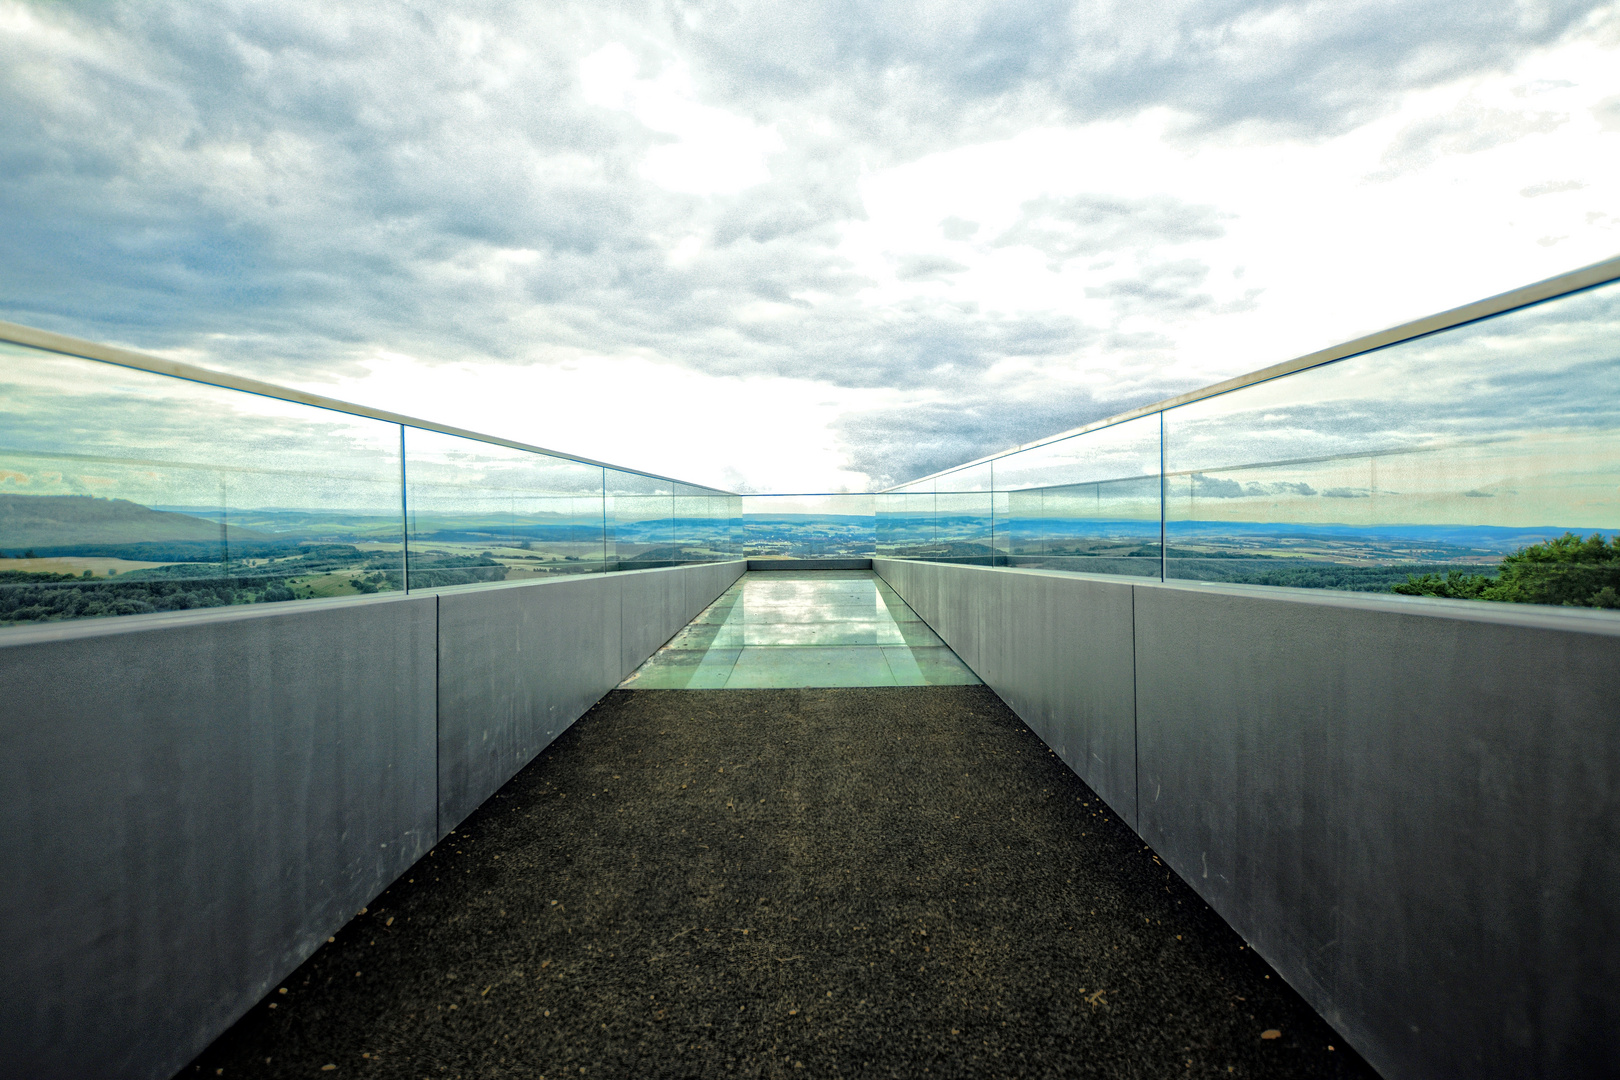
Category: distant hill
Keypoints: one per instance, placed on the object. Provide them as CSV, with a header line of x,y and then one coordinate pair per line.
x,y
56,521
850,521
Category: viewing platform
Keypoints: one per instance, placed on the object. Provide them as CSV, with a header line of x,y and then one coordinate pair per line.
x,y
810,882
1268,731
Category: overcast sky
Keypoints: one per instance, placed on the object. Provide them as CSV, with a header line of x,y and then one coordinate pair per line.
x,y
794,246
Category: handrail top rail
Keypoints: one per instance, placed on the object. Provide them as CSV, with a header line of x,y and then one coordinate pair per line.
x,y
1573,281
1551,288
50,341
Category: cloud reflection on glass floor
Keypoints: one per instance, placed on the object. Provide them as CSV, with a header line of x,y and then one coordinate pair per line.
x,y
803,628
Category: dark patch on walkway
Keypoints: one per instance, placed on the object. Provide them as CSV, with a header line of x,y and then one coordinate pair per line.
x,y
761,883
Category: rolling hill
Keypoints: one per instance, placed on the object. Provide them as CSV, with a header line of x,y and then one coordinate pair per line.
x,y
57,521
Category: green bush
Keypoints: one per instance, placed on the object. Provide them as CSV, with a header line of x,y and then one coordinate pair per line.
x,y
1567,571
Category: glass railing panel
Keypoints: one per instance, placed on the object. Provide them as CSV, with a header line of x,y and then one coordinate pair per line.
x,y
908,522
702,525
727,512
906,526
710,527
1086,504
689,524
641,515
955,523
885,525
1000,538
720,538
734,521
723,527
480,512
1442,453
124,492
810,526
964,525
1128,450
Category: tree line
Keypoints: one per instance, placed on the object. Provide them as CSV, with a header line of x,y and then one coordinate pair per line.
x,y
1567,571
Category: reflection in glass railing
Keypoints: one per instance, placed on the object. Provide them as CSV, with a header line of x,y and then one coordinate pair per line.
x,y
481,512
704,525
123,492
1444,452
1088,504
1468,462
809,526
654,522
1480,461
641,515
948,518
127,492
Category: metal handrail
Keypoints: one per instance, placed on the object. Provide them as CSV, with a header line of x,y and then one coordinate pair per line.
x,y
1574,281
1551,288
49,341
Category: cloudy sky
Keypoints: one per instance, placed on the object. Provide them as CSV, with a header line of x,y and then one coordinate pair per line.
x,y
789,246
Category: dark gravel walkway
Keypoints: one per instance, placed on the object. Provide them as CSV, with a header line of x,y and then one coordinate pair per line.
x,y
761,883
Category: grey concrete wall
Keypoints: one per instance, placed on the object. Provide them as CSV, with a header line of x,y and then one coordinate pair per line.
x,y
1056,647
659,598
194,801
1412,812
704,584
1411,808
519,663
191,803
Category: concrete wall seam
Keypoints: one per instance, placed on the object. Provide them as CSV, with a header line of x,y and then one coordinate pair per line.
x,y
197,804
245,779
1410,809
527,660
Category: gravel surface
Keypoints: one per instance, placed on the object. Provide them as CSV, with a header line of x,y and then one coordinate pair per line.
x,y
761,883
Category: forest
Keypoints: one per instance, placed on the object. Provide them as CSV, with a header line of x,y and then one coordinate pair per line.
x,y
1567,571
343,569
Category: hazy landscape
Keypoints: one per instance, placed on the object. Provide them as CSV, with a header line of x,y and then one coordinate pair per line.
x,y
74,556
77,556
1357,558
809,535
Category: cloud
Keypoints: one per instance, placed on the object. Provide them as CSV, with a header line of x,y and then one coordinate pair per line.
x,y
1551,187
246,171
926,267
1066,227
904,73
279,191
1607,113
895,445
1164,287
934,428
1213,487
290,190
1468,129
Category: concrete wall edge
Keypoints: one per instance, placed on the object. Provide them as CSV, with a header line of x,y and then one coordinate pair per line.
x,y
1501,714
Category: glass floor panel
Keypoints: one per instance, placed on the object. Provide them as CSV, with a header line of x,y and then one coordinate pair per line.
x,y
787,628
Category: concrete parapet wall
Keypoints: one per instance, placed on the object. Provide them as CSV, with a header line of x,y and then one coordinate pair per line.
x,y
1411,808
518,663
194,801
1057,649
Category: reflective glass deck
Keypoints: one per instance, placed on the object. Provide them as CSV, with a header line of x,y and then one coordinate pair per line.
x,y
803,628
